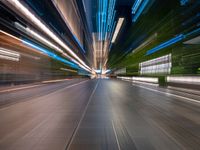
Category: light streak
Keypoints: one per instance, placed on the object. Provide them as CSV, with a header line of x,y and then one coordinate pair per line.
x,y
170,42
22,9
117,29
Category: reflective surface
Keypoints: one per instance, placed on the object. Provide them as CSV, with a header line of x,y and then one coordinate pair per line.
x,y
100,114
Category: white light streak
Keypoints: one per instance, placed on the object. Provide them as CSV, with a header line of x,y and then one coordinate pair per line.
x,y
66,69
140,79
184,79
9,58
10,35
44,40
145,79
22,9
9,54
37,36
64,54
117,29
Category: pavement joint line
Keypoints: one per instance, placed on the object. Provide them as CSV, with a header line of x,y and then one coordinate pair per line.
x,y
116,137
178,96
80,121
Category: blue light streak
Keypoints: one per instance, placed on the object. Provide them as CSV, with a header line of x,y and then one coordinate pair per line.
x,y
112,29
81,46
112,20
140,10
49,53
193,32
166,44
136,6
110,12
99,24
105,18
191,19
110,47
172,41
